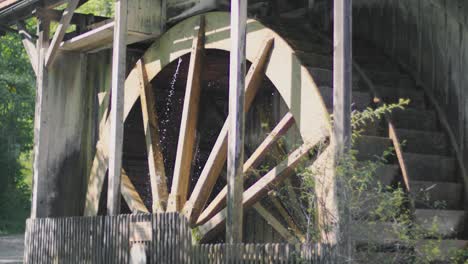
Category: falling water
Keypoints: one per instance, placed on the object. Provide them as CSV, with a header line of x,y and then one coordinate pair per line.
x,y
168,106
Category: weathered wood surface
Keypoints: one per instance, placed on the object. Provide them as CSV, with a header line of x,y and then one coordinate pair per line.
x,y
342,99
168,238
153,145
188,126
236,130
119,55
41,126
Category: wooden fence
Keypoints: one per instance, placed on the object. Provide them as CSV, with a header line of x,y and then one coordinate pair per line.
x,y
166,237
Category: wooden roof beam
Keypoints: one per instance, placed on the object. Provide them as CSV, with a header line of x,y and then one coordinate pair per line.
x,y
60,32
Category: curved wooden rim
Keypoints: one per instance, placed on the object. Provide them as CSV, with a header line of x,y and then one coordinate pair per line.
x,y
292,80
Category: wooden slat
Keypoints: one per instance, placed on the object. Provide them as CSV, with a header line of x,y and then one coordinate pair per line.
x,y
188,126
131,196
60,31
217,158
153,147
220,200
259,189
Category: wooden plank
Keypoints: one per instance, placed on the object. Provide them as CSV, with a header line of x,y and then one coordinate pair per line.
x,y
220,200
119,54
259,189
277,225
236,131
60,31
131,196
217,158
188,126
153,145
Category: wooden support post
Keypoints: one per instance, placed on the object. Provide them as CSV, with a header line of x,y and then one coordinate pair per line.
x,y
41,126
342,83
117,106
235,157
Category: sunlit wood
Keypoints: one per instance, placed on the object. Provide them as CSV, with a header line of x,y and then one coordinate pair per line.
x,y
218,154
260,189
188,127
131,196
220,200
155,157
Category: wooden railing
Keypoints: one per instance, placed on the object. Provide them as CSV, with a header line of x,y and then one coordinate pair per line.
x,y
165,238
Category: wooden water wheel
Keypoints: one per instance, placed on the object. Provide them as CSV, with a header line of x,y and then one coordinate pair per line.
x,y
178,182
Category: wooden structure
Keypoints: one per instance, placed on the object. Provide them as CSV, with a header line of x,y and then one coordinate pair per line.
x,y
108,239
174,130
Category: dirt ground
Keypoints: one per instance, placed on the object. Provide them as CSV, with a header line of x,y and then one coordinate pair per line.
x,y
11,249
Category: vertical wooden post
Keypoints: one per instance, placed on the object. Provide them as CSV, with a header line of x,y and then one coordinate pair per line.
x,y
39,206
342,83
117,104
236,126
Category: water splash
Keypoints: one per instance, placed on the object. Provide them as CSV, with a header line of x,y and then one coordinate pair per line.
x,y
169,103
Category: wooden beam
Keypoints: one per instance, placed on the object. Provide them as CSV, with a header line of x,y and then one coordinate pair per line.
x,y
399,153
273,222
60,31
260,189
188,126
289,220
40,188
153,145
236,131
29,46
119,53
77,18
217,158
220,200
342,99
131,196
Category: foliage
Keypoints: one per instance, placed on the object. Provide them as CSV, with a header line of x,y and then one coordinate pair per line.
x,y
17,94
371,208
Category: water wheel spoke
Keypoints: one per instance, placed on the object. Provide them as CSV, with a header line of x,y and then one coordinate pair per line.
x,y
220,200
131,196
274,223
260,189
217,157
188,127
153,147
